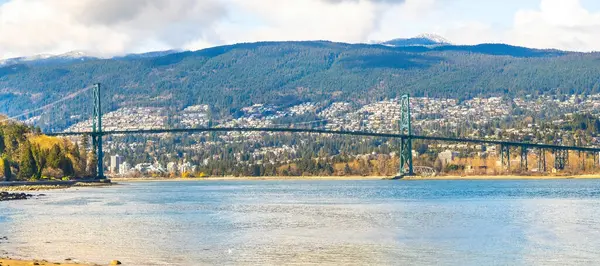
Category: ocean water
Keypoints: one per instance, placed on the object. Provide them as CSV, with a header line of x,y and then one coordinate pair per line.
x,y
547,222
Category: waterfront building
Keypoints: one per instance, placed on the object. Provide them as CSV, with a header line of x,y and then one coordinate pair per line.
x,y
187,167
172,167
447,156
124,168
115,163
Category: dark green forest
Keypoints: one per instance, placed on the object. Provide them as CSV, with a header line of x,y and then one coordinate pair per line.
x,y
284,73
25,154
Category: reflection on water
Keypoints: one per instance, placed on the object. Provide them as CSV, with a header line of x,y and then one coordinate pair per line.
x,y
304,222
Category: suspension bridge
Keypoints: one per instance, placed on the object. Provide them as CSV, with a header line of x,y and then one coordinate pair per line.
x,y
405,135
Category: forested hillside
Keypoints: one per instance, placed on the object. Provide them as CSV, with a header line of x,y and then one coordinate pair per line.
x,y
27,155
230,77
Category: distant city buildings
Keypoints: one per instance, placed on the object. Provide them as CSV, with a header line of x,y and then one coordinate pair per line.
x,y
115,163
124,168
187,167
447,156
492,118
150,168
172,167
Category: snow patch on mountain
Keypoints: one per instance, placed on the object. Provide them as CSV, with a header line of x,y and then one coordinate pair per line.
x,y
426,39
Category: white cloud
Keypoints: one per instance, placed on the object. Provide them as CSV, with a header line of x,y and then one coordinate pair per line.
x,y
409,19
111,27
105,27
349,21
563,24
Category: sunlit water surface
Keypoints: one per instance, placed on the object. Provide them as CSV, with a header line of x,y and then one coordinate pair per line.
x,y
307,222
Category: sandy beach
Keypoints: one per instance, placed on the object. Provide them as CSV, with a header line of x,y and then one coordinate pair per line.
x,y
13,262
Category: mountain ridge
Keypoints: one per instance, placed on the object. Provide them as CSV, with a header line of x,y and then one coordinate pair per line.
x,y
425,39
228,78
76,55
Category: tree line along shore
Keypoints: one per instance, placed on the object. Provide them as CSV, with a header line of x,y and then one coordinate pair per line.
x,y
28,155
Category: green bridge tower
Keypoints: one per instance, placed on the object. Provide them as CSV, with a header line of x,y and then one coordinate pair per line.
x,y
406,160
97,131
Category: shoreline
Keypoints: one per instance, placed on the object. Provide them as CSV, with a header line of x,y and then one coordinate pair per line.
x,y
19,262
19,186
357,178
251,178
505,177
41,186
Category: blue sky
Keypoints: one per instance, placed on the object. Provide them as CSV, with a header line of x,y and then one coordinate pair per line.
x,y
114,27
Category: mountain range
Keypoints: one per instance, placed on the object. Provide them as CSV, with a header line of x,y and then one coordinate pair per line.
x,y
43,59
430,40
231,77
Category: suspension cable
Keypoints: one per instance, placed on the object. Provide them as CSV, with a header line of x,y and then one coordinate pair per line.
x,y
68,97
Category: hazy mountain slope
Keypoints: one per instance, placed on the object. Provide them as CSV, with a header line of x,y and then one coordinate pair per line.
x,y
230,77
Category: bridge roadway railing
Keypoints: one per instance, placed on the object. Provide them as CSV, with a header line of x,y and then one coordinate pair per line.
x,y
319,131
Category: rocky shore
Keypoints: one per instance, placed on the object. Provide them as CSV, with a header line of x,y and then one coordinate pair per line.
x,y
4,196
32,187
45,185
19,187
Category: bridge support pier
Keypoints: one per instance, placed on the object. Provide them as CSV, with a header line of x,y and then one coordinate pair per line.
x,y
524,163
542,160
561,158
505,157
582,157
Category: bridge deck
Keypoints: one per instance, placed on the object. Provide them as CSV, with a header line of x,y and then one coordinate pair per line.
x,y
318,131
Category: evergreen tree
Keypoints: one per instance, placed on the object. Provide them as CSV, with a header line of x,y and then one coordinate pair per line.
x,y
13,135
54,156
27,165
2,146
66,166
6,168
76,151
85,144
91,164
347,169
41,157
